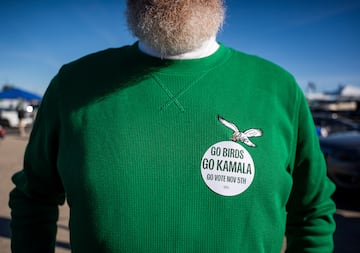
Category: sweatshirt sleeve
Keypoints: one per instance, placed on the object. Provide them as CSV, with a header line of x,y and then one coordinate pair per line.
x,y
310,222
38,189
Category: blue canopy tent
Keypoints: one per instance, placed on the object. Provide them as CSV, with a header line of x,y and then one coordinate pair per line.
x,y
15,93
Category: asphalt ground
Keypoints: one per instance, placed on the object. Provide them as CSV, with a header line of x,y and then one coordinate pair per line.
x,y
12,149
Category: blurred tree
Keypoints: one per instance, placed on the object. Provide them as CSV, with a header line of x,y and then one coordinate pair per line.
x,y
311,87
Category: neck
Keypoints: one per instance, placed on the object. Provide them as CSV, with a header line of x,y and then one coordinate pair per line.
x,y
207,48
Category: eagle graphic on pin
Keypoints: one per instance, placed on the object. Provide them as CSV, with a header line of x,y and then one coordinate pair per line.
x,y
239,135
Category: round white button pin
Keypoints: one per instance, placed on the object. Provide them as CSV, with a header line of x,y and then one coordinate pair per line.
x,y
227,168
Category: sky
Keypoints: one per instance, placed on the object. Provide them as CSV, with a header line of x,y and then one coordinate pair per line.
x,y
317,41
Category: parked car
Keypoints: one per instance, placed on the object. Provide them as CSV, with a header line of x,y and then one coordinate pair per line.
x,y
329,123
342,154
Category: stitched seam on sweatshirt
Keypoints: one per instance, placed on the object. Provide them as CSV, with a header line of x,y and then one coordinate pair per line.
x,y
174,98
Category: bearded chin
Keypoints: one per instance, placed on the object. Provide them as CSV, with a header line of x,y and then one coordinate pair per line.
x,y
172,30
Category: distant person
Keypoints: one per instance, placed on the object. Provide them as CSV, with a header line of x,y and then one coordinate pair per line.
x,y
21,112
2,132
176,143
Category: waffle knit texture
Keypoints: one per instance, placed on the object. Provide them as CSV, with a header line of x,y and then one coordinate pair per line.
x,y
121,136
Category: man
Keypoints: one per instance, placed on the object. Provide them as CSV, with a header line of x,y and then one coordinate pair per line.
x,y
174,144
21,113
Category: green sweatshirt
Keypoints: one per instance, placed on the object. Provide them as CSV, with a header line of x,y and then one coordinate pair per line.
x,y
217,154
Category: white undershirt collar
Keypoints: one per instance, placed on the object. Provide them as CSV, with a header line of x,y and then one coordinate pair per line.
x,y
207,48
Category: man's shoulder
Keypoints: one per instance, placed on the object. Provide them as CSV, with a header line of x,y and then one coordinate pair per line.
x,y
256,63
94,75
263,73
104,57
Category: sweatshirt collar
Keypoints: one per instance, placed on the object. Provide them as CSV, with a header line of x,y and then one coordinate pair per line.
x,y
208,48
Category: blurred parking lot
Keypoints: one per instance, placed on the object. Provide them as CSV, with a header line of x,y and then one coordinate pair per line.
x,y
12,148
337,121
